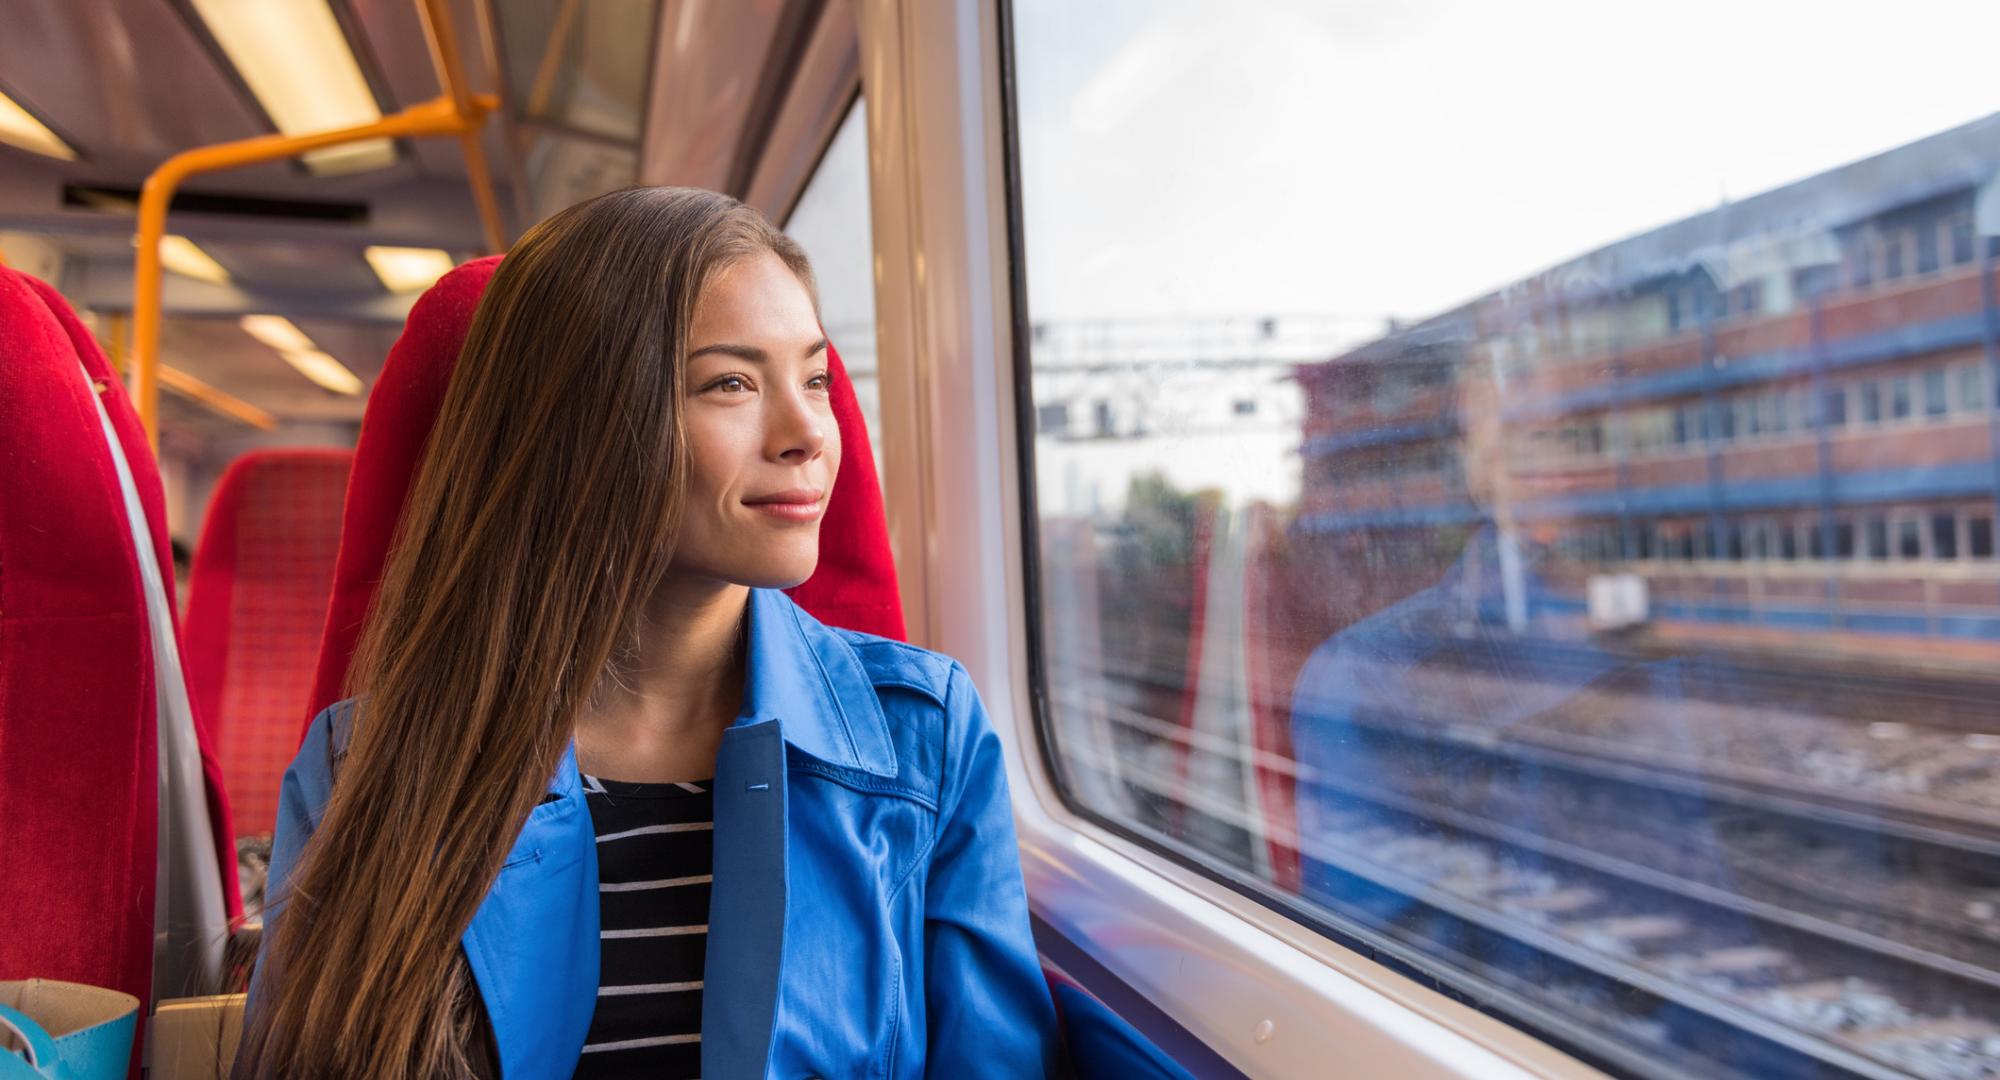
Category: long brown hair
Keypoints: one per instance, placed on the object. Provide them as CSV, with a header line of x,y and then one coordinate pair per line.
x,y
543,516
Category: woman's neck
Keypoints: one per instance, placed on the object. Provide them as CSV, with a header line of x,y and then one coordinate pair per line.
x,y
662,718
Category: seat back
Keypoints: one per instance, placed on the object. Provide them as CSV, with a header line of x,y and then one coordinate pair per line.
x,y
93,716
854,587
257,603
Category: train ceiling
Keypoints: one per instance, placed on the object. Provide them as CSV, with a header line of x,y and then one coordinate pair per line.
x,y
738,95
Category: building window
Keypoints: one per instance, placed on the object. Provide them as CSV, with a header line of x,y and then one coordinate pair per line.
x,y
1962,250
1836,407
1052,418
1909,539
1899,397
1979,536
1843,539
1927,249
1892,255
1944,536
1878,537
1935,397
1870,392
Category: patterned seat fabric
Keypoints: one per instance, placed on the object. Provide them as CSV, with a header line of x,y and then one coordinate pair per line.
x,y
262,575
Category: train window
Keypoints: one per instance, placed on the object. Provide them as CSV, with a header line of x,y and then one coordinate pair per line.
x,y
1352,652
832,222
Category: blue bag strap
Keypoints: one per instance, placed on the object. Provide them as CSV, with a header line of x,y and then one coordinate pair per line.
x,y
41,1061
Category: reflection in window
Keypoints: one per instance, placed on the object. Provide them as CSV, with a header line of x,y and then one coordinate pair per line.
x,y
1439,648
832,222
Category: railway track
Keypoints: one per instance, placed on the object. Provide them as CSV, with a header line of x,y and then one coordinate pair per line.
x,y
1838,987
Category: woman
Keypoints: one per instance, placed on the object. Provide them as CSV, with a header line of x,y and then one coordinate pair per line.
x,y
495,860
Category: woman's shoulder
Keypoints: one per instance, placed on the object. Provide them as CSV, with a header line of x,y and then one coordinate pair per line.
x,y
889,663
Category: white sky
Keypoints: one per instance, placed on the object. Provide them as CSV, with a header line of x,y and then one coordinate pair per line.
x,y
1395,157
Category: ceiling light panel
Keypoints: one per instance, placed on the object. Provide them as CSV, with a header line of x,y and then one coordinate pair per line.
x,y
18,127
182,256
408,269
296,60
325,370
278,332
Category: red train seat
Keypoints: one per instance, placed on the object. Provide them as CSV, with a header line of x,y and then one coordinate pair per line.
x,y
92,712
262,575
854,587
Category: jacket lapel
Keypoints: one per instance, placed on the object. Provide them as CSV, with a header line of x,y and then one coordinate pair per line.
x,y
533,944
746,921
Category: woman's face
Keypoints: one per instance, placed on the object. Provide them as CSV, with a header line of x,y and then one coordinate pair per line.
x,y
760,429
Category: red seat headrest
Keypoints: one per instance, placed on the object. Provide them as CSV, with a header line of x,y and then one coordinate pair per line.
x,y
256,608
854,587
79,794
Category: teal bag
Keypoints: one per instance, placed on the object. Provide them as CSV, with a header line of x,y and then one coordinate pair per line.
x,y
65,1031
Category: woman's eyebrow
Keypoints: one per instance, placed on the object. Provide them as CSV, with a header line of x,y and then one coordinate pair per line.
x,y
751,352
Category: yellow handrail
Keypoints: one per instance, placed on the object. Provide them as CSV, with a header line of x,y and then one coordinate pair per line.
x,y
458,111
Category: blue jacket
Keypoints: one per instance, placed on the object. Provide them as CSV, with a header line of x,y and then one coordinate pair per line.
x,y
867,917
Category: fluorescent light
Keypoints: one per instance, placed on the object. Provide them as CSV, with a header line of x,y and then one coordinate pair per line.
x,y
408,269
324,370
299,351
18,127
295,58
180,255
277,332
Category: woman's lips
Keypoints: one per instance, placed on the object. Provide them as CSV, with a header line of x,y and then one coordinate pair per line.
x,y
798,505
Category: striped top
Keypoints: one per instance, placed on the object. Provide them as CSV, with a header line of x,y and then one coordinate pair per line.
x,y
655,857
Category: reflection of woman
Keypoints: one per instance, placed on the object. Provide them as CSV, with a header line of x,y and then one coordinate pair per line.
x,y
610,803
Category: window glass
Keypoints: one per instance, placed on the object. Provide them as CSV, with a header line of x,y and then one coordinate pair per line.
x,y
832,222
1979,536
1909,539
1892,255
1366,649
1935,402
1836,407
1944,536
1927,248
1972,387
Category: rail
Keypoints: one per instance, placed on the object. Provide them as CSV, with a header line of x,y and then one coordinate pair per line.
x,y
458,111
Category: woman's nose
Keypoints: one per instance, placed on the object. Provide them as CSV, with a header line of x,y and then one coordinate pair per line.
x,y
798,430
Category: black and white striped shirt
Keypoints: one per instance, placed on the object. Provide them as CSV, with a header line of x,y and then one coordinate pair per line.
x,y
655,858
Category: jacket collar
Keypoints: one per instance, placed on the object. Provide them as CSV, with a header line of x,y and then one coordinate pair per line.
x,y
806,677
810,680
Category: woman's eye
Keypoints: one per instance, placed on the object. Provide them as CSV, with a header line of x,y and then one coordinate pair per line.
x,y
821,381
730,384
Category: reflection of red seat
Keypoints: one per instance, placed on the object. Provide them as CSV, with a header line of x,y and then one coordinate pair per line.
x,y
854,587
256,603
79,719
